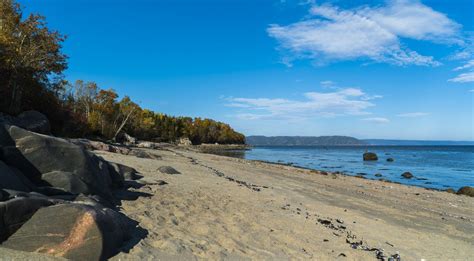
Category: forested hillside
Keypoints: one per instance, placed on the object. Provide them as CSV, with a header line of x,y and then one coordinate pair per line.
x,y
31,78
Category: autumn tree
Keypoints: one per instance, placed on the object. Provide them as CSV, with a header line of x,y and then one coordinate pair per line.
x,y
30,53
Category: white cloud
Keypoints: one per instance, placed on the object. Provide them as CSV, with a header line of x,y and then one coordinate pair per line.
x,y
469,64
377,120
471,90
327,84
369,33
413,114
463,78
348,101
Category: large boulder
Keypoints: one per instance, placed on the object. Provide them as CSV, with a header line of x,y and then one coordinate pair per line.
x,y
29,120
36,155
370,156
16,211
33,121
72,231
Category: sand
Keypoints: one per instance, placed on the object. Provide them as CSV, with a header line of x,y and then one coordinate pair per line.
x,y
233,209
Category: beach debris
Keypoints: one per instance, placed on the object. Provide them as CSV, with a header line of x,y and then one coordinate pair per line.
x,y
241,183
407,175
168,170
342,254
370,156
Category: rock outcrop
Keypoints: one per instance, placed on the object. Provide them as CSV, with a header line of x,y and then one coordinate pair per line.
x,y
44,158
56,197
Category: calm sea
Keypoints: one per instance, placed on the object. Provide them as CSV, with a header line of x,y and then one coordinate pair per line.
x,y
437,167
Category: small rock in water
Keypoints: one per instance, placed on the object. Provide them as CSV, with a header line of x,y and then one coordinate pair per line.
x,y
370,156
407,175
168,170
378,175
390,159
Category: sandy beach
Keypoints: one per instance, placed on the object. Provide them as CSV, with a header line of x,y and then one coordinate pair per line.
x,y
233,209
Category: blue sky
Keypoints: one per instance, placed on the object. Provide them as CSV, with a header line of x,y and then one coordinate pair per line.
x,y
400,69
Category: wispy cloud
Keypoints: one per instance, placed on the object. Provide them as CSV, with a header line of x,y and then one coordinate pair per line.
x,y
413,114
468,65
347,101
463,77
327,84
377,120
368,33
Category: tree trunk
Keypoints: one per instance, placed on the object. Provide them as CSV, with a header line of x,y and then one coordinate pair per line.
x,y
15,103
123,124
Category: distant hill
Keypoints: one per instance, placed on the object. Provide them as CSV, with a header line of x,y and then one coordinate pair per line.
x,y
302,141
382,142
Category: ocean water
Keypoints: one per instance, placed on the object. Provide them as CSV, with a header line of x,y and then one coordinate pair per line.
x,y
439,167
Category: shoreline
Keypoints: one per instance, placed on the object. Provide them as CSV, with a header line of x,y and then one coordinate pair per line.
x,y
427,173
227,208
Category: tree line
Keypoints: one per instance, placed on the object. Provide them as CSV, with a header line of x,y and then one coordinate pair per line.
x,y
31,78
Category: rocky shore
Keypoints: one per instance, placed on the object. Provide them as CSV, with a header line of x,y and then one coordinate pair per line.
x,y
87,200
59,199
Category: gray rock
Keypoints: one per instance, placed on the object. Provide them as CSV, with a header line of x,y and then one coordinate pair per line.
x,y
66,181
35,154
10,254
72,231
370,156
33,121
168,170
120,173
29,120
16,211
